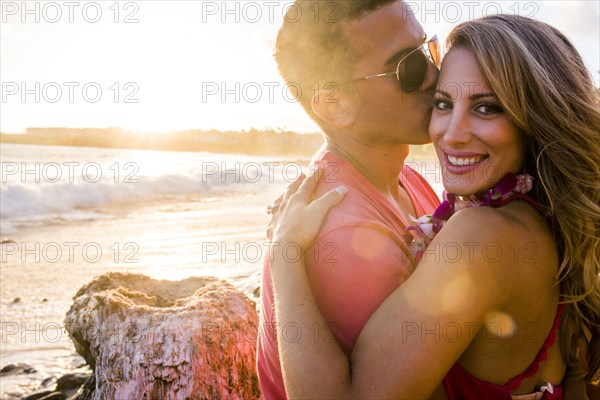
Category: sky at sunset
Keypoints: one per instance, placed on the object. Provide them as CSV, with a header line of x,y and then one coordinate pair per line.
x,y
174,65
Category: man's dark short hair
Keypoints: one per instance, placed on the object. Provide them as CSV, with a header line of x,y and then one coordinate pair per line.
x,y
312,52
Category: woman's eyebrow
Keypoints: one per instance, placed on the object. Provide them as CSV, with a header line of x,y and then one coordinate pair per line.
x,y
443,93
473,97
478,96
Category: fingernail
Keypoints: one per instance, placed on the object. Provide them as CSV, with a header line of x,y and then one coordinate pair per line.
x,y
342,190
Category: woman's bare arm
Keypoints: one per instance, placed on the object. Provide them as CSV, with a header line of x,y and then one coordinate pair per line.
x,y
392,357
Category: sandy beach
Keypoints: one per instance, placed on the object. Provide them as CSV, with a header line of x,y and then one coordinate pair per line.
x,y
172,242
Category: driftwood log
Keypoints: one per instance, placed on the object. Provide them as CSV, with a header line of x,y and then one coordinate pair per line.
x,y
149,339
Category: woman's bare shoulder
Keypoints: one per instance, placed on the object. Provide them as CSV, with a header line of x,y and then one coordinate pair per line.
x,y
512,245
516,221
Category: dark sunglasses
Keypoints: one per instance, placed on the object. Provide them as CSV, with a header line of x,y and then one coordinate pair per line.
x,y
412,68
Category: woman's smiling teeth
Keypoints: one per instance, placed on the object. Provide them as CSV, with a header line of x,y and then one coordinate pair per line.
x,y
461,161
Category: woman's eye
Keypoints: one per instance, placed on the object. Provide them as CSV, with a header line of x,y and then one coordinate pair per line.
x,y
442,105
488,109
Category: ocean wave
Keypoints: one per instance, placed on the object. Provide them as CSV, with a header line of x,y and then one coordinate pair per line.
x,y
23,201
44,184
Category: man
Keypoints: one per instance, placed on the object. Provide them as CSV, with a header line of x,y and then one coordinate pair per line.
x,y
332,50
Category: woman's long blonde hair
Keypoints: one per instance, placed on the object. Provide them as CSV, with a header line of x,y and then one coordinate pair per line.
x,y
544,87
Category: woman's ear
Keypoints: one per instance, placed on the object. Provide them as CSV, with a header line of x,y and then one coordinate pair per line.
x,y
335,108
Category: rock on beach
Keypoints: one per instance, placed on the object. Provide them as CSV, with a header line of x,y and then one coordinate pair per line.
x,y
144,338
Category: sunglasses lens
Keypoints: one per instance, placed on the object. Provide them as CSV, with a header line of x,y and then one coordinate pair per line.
x,y
412,72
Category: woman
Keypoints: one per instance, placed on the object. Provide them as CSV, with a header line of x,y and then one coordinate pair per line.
x,y
513,100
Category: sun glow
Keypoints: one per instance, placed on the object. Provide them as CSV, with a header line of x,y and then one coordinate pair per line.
x,y
173,65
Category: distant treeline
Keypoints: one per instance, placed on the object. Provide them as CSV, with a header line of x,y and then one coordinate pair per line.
x,y
259,142
253,142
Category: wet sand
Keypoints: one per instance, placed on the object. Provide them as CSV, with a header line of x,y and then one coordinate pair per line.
x,y
43,267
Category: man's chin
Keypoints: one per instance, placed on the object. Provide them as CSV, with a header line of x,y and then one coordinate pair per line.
x,y
421,138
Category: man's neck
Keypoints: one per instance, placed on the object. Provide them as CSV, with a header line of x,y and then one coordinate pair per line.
x,y
380,164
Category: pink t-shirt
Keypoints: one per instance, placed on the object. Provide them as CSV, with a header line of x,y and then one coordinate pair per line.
x,y
359,258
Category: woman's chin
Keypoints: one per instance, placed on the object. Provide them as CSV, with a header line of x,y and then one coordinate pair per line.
x,y
463,189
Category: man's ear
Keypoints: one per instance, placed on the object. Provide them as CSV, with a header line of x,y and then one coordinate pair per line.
x,y
335,108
